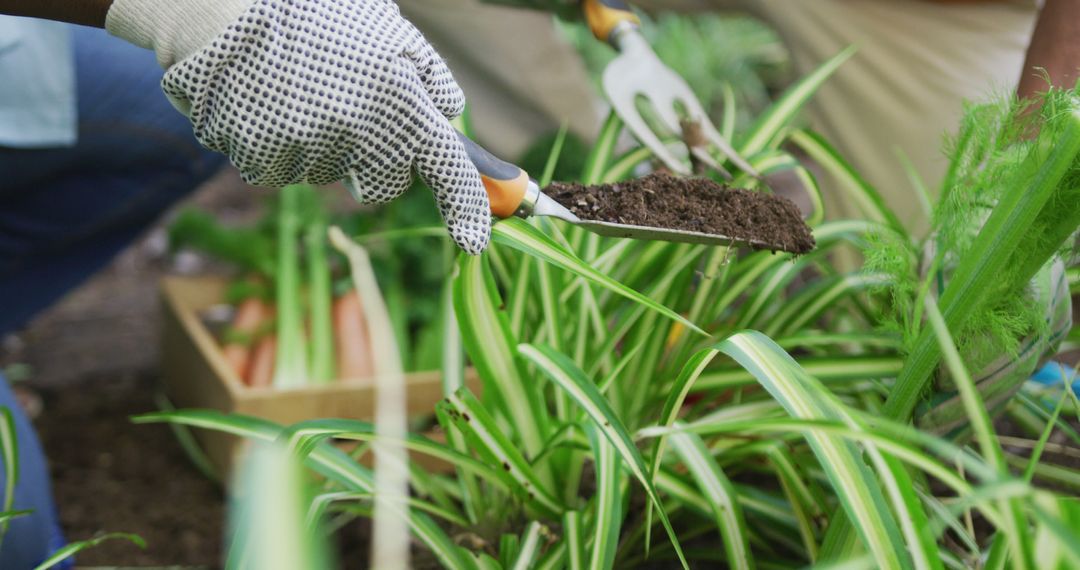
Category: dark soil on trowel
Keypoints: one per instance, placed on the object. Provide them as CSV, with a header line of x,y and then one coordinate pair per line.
x,y
661,200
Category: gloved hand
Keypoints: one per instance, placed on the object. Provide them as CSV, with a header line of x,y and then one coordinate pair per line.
x,y
316,91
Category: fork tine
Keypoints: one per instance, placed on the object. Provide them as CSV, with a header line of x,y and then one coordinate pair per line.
x,y
703,156
693,106
648,138
627,111
668,115
665,111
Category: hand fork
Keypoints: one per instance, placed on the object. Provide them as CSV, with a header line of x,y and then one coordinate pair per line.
x,y
639,72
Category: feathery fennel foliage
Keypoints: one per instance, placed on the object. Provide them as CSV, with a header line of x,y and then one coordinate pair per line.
x,y
993,161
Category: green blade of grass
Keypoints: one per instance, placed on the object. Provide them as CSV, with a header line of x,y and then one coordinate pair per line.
x,y
575,545
490,345
1059,520
555,559
304,437
1036,452
327,460
530,547
600,156
321,503
267,521
570,378
74,548
519,235
858,490
885,440
855,187
553,156
469,416
827,369
777,117
1021,546
914,522
9,451
624,166
608,511
719,493
690,372
802,503
809,305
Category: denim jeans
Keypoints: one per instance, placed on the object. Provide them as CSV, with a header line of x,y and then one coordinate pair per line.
x,y
33,537
65,212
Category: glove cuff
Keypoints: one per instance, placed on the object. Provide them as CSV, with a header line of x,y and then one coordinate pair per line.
x,y
174,29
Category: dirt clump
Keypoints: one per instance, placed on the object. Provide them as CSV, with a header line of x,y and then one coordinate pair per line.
x,y
661,200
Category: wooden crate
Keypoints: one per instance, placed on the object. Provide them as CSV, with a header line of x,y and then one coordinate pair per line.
x,y
196,375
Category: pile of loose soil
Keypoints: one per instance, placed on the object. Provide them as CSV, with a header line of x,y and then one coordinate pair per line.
x,y
660,200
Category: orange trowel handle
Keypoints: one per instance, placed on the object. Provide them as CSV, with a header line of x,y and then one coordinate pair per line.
x,y
506,183
604,16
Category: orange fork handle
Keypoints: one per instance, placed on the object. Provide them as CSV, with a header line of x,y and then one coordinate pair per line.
x,y
505,183
604,16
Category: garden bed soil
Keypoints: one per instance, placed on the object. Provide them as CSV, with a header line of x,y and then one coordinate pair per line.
x,y
110,475
660,200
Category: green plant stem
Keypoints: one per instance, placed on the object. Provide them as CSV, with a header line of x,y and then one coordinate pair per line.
x,y
290,366
320,299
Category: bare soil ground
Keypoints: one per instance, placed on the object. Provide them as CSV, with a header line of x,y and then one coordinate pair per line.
x,y
93,358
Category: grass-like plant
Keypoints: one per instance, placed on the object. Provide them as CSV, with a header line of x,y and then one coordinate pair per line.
x,y
648,403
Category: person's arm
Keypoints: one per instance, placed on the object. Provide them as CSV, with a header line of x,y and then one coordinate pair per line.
x,y
306,91
85,12
1055,47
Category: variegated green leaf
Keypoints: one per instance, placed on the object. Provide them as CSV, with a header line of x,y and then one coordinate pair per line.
x,y
326,460
777,117
473,420
608,510
490,345
530,547
9,451
720,494
71,549
852,480
570,378
520,235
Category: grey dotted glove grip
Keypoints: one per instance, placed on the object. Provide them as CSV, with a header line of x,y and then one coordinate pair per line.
x,y
319,91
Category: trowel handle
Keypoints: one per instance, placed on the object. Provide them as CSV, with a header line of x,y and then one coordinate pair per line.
x,y
604,16
506,184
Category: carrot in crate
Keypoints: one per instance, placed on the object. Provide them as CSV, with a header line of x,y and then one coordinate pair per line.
x,y
240,340
261,371
354,356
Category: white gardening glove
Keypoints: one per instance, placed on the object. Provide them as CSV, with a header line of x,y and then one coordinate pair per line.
x,y
316,91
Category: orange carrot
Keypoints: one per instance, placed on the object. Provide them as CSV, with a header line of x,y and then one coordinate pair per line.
x,y
250,315
261,372
354,359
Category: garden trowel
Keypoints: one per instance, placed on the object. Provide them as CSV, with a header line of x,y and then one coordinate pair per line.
x,y
638,72
512,192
